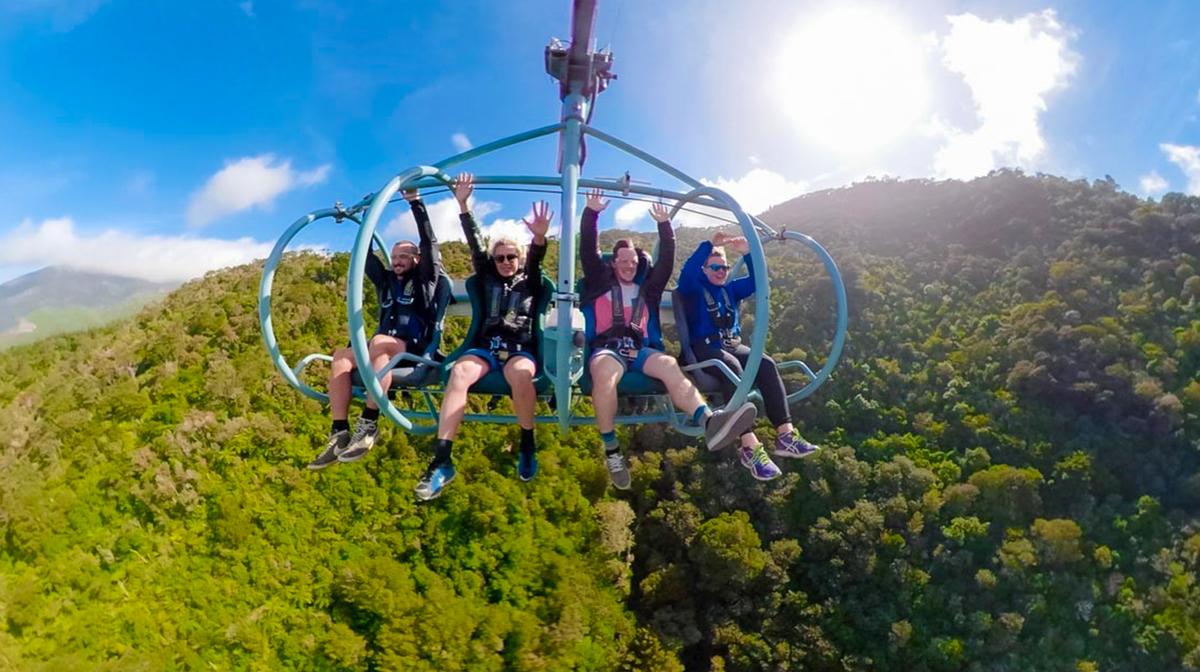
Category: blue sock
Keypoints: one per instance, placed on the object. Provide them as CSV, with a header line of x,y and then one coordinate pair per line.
x,y
610,441
701,411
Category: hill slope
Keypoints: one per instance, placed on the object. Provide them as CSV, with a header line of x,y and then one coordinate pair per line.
x,y
1010,481
55,299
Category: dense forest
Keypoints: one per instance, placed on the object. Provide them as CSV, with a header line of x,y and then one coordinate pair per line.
x,y
1010,476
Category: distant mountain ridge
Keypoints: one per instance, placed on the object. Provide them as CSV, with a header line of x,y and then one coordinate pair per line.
x,y
57,299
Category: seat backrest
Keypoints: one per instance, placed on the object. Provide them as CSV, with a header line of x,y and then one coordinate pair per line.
x,y
475,296
421,374
681,327
442,295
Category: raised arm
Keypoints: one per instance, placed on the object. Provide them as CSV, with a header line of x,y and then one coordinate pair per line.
x,y
743,286
693,268
589,237
664,265
431,254
538,226
464,186
376,271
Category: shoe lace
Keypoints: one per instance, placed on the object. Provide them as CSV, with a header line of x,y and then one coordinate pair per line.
x,y
616,462
362,429
760,456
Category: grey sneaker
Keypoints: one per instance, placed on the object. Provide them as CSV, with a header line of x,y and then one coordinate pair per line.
x,y
617,470
791,445
362,440
755,459
334,447
725,426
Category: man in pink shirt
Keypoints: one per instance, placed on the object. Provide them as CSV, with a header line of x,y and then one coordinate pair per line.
x,y
620,306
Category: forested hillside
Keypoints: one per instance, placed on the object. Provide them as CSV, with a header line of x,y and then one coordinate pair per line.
x,y
1010,480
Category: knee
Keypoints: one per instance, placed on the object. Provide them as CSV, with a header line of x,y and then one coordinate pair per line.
x,y
768,363
517,374
462,376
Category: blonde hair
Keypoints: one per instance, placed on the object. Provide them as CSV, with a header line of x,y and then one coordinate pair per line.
x,y
506,241
717,251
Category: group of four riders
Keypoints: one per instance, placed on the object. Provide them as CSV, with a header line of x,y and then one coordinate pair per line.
x,y
620,300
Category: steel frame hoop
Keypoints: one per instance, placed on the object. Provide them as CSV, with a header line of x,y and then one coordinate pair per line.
x,y
265,285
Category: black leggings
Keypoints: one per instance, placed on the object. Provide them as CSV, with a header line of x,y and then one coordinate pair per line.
x,y
767,382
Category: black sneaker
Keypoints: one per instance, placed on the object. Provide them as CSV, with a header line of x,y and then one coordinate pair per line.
x,y
365,432
725,426
335,446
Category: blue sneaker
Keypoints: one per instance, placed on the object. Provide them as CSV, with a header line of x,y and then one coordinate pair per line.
x,y
527,465
436,478
791,445
755,459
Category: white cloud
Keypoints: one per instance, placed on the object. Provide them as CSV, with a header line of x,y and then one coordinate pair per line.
x,y
630,213
444,216
1010,67
759,189
1187,157
461,142
246,183
152,257
1153,183
755,191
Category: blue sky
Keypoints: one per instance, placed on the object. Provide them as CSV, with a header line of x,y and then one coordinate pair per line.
x,y
164,139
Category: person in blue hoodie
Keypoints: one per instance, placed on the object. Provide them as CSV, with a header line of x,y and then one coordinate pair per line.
x,y
710,301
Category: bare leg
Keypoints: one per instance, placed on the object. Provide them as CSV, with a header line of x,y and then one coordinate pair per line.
x,y
519,372
466,372
339,383
606,373
383,348
664,368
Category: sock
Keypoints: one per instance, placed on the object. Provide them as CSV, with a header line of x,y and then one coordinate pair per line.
x,y
528,445
610,442
339,425
441,451
371,414
701,413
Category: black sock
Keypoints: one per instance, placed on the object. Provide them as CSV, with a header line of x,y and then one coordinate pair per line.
x,y
441,451
339,425
528,445
370,414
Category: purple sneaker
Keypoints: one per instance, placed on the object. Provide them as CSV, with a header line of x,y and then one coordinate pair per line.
x,y
758,462
791,445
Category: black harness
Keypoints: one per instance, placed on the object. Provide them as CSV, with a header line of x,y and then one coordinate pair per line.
x,y
509,324
624,339
722,319
404,309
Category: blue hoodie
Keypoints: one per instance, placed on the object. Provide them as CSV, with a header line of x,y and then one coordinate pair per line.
x,y
693,282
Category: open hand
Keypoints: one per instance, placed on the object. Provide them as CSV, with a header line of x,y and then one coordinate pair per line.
x,y
738,244
541,221
660,213
596,200
464,186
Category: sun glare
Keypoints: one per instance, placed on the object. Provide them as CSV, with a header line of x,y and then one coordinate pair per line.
x,y
853,80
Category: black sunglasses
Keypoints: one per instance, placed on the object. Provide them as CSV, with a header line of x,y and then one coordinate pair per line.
x,y
505,257
718,267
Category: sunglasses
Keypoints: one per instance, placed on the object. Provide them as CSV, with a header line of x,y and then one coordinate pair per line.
x,y
505,257
715,268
